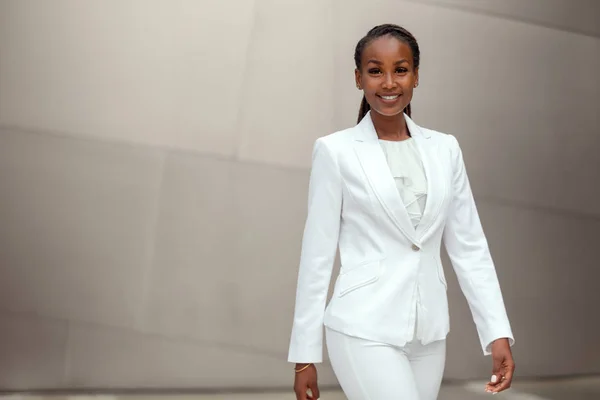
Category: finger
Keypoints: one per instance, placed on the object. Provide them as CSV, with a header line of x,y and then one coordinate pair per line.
x,y
315,390
495,379
300,394
497,370
505,383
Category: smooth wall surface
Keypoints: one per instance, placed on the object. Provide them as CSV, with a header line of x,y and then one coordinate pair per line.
x,y
154,160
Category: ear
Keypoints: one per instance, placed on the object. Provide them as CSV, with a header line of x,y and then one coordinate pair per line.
x,y
358,79
416,77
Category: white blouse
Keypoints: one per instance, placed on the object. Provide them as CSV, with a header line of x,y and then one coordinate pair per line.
x,y
406,166
405,163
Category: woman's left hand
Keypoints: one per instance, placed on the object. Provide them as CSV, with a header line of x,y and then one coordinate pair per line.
x,y
503,367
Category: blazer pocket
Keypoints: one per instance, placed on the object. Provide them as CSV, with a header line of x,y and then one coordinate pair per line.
x,y
356,276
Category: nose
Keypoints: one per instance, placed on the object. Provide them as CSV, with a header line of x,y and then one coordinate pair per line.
x,y
388,81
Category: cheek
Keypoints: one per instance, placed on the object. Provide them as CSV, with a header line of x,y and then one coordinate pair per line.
x,y
372,88
369,90
369,83
408,86
408,81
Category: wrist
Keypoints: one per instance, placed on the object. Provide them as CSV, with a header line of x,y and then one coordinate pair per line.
x,y
302,367
501,342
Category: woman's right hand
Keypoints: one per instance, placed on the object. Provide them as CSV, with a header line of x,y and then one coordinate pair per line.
x,y
305,380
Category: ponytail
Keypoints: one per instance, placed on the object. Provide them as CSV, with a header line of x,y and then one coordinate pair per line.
x,y
364,109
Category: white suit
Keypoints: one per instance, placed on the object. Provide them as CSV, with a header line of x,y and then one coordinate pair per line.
x,y
354,204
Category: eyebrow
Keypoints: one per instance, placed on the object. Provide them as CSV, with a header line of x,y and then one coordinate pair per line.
x,y
380,63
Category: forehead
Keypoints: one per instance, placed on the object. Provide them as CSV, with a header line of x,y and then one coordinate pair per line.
x,y
387,48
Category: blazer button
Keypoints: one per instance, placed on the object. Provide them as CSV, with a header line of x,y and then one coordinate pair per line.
x,y
415,247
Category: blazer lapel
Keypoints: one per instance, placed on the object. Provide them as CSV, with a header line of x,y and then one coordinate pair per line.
x,y
436,184
375,166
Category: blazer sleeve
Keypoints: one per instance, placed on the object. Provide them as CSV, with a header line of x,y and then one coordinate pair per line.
x,y
319,246
469,253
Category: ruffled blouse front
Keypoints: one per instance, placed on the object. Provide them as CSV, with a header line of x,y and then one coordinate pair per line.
x,y
406,166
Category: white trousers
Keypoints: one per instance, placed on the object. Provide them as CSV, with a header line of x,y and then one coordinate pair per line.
x,y
369,370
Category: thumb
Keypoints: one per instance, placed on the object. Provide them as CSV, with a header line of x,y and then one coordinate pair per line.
x,y
496,371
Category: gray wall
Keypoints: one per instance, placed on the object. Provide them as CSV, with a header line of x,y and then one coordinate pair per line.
x,y
154,160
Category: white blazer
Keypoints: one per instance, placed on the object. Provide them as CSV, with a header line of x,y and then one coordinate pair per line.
x,y
354,204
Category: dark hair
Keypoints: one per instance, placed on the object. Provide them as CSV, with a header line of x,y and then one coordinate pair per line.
x,y
382,30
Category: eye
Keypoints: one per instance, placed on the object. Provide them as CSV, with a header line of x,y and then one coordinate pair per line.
x,y
401,70
374,71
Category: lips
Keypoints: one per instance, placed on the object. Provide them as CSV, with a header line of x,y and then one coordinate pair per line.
x,y
389,98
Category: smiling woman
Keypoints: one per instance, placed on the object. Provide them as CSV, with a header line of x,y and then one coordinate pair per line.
x,y
404,56
386,193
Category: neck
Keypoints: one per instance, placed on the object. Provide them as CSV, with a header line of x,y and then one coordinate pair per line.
x,y
390,128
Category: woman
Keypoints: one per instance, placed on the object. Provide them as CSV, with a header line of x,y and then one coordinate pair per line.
x,y
386,192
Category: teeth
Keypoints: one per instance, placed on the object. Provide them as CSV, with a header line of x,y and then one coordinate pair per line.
x,y
389,97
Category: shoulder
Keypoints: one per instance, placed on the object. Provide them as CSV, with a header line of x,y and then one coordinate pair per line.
x,y
441,138
444,140
328,149
335,142
338,138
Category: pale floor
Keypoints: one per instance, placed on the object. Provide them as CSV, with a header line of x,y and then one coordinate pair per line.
x,y
571,389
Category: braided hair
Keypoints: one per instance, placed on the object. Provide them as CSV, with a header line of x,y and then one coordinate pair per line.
x,y
384,30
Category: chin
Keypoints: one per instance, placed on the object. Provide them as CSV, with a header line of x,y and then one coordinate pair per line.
x,y
388,113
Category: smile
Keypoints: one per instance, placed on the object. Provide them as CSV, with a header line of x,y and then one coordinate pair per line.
x,y
394,97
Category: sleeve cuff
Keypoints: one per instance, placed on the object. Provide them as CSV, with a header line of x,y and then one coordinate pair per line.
x,y
305,354
487,348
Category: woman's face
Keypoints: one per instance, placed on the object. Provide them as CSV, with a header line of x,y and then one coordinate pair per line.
x,y
387,75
